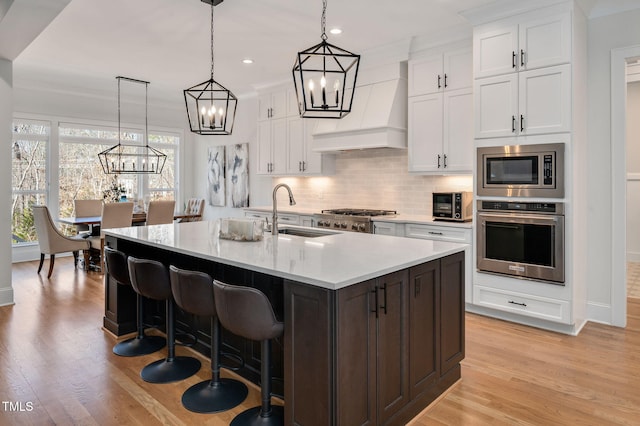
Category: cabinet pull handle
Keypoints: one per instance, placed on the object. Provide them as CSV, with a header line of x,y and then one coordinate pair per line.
x,y
304,166
416,290
438,160
445,80
439,81
518,303
513,124
435,233
513,59
299,166
375,292
445,155
521,58
384,290
521,123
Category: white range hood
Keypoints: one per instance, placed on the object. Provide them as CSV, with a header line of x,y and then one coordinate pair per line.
x,y
378,119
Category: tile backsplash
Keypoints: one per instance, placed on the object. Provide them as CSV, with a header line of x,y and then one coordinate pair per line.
x,y
372,178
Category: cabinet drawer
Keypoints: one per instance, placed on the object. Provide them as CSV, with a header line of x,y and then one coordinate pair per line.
x,y
291,219
440,233
532,306
258,215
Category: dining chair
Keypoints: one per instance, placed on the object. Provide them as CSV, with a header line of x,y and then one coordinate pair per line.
x,y
114,215
195,206
87,208
52,241
160,212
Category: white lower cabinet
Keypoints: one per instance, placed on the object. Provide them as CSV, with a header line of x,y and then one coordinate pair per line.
x,y
306,220
283,218
453,234
387,228
523,304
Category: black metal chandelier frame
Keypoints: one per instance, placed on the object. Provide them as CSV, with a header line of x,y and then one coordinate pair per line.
x,y
211,107
130,158
325,62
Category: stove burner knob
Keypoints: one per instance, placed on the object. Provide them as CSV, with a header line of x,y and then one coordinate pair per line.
x,y
336,225
361,227
343,225
355,227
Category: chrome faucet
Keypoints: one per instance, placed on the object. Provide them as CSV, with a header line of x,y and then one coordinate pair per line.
x,y
292,202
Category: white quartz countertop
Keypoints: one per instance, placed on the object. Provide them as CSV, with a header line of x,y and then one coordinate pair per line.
x,y
333,261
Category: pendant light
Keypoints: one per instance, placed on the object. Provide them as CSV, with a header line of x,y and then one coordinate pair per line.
x,y
133,159
324,76
211,108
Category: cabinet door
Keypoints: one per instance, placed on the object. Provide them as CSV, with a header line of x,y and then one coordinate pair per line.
x,y
295,145
545,42
356,355
292,103
384,228
279,146
425,133
312,159
392,344
424,333
264,106
545,100
458,131
458,69
452,317
495,51
306,220
496,106
426,75
279,102
264,147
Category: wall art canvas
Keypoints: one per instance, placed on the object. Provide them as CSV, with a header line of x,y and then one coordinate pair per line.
x,y
216,176
238,172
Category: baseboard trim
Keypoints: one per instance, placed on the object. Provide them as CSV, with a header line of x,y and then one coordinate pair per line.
x,y
6,296
599,312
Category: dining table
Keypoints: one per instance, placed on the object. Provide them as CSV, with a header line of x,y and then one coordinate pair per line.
x,y
138,218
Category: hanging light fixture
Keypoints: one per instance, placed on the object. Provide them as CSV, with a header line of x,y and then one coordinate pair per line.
x,y
130,159
324,76
211,108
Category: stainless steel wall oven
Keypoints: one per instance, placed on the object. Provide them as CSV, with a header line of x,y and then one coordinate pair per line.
x,y
521,239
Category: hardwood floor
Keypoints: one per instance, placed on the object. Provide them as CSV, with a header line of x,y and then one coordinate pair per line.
x,y
58,368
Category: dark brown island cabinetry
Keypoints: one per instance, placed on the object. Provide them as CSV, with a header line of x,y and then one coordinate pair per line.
x,y
372,353
396,343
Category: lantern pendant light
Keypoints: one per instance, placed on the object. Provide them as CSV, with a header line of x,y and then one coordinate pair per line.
x,y
133,159
324,76
211,108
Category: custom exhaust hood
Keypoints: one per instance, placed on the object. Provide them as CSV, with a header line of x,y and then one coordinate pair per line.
x,y
378,118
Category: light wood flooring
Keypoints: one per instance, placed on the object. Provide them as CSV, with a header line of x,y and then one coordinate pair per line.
x,y
633,279
55,358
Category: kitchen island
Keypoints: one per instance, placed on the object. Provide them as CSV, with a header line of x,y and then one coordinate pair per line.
x,y
374,324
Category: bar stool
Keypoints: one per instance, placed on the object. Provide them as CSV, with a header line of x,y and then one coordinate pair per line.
x,y
247,312
118,270
193,292
151,279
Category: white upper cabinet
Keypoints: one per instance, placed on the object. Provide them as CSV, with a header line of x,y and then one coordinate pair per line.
x,y
530,44
496,101
440,72
440,113
273,105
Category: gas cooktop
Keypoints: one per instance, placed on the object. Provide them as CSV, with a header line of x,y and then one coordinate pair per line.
x,y
360,212
355,220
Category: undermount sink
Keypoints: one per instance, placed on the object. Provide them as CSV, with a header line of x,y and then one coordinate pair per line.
x,y
309,233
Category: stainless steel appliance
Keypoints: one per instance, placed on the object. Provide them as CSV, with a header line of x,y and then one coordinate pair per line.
x,y
453,206
355,220
521,171
521,239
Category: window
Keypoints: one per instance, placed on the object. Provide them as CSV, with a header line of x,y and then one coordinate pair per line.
x,y
29,181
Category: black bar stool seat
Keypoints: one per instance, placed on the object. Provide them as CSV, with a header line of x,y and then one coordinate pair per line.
x,y
118,270
151,279
247,312
193,292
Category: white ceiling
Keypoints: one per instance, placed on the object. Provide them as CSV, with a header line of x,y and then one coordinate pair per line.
x,y
167,42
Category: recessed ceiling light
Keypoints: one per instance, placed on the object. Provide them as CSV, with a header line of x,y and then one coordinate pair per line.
x,y
247,61
335,31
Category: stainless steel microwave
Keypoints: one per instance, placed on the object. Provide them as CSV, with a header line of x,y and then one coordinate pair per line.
x,y
453,206
521,171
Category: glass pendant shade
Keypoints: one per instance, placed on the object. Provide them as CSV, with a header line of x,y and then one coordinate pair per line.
x,y
138,159
211,108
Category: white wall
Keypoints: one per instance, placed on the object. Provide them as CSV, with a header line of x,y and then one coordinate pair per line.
x,y
604,34
633,171
6,116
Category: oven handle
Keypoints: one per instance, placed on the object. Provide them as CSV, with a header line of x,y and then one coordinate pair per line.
x,y
522,218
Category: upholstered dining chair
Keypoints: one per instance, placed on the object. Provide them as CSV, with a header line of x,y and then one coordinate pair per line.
x,y
86,208
195,206
52,241
160,212
114,215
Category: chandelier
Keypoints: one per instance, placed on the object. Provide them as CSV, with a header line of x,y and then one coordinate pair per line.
x,y
211,107
324,77
130,159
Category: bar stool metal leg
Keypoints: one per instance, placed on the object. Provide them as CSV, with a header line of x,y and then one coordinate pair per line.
x,y
141,344
217,394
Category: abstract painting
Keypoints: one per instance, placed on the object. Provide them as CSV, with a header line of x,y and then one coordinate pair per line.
x,y
216,176
238,168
